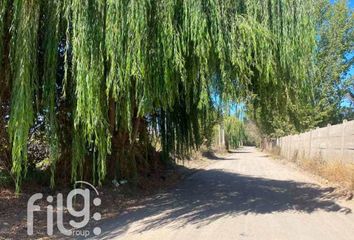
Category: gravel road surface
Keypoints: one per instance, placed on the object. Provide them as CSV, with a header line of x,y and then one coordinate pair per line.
x,y
245,195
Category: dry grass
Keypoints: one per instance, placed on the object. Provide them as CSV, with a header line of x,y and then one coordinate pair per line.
x,y
274,152
337,172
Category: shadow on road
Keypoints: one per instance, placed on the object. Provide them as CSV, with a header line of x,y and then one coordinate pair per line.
x,y
212,194
212,156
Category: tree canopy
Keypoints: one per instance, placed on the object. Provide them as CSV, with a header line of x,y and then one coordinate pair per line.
x,y
109,76
329,82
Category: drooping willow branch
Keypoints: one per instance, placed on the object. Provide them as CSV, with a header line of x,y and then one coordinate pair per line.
x,y
162,60
23,57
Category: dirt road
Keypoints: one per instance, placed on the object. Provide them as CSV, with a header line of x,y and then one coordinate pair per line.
x,y
245,195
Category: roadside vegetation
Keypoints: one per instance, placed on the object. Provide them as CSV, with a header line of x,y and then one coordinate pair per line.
x,y
338,173
109,90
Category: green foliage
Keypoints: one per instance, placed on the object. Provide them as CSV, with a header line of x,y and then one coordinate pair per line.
x,y
50,46
23,69
3,7
335,48
253,136
153,64
234,132
318,102
89,77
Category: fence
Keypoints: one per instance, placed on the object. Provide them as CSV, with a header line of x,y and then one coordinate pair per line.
x,y
328,144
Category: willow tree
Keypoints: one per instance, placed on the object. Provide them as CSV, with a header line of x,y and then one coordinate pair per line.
x,y
234,132
136,69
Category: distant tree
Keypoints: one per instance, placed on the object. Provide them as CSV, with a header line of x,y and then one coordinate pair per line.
x,y
334,59
234,132
320,104
253,136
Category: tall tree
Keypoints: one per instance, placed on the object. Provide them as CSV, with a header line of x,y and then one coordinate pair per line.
x,y
132,68
335,57
320,103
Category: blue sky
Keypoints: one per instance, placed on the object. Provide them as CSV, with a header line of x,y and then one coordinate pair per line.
x,y
351,3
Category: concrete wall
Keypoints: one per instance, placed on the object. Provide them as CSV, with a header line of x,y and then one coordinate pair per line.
x,y
328,143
